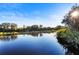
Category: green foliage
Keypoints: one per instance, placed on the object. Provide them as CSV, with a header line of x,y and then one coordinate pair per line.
x,y
69,36
70,20
12,27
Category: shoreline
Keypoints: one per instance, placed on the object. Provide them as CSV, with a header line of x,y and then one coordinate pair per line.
x,y
27,32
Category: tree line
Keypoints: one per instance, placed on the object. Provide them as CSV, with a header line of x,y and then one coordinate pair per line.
x,y
10,27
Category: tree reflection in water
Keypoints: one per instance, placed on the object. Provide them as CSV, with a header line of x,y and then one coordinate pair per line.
x,y
71,47
13,37
35,34
8,37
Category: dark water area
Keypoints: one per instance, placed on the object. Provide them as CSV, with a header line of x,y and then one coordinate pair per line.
x,y
71,46
31,44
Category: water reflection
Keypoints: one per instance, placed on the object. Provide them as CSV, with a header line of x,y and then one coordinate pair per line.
x,y
13,37
71,47
27,45
8,37
35,34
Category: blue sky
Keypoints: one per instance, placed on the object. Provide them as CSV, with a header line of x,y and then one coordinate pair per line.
x,y
47,14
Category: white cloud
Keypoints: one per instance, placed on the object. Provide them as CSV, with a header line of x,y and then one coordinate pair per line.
x,y
20,19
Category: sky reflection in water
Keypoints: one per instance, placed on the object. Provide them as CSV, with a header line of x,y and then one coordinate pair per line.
x,y
42,44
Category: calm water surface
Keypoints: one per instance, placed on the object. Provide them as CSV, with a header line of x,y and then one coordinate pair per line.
x,y
41,44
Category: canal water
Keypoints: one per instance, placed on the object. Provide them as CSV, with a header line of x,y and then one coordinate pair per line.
x,y
31,44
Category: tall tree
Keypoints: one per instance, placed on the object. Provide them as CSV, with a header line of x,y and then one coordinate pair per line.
x,y
13,26
71,19
6,25
40,26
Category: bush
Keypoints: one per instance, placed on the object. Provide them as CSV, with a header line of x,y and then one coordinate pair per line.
x,y
69,37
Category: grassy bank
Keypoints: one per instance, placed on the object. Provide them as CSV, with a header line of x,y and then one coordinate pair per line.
x,y
25,32
70,40
68,35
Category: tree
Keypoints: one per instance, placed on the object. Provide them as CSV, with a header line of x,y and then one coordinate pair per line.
x,y
5,25
58,27
0,26
13,26
34,27
71,19
40,26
